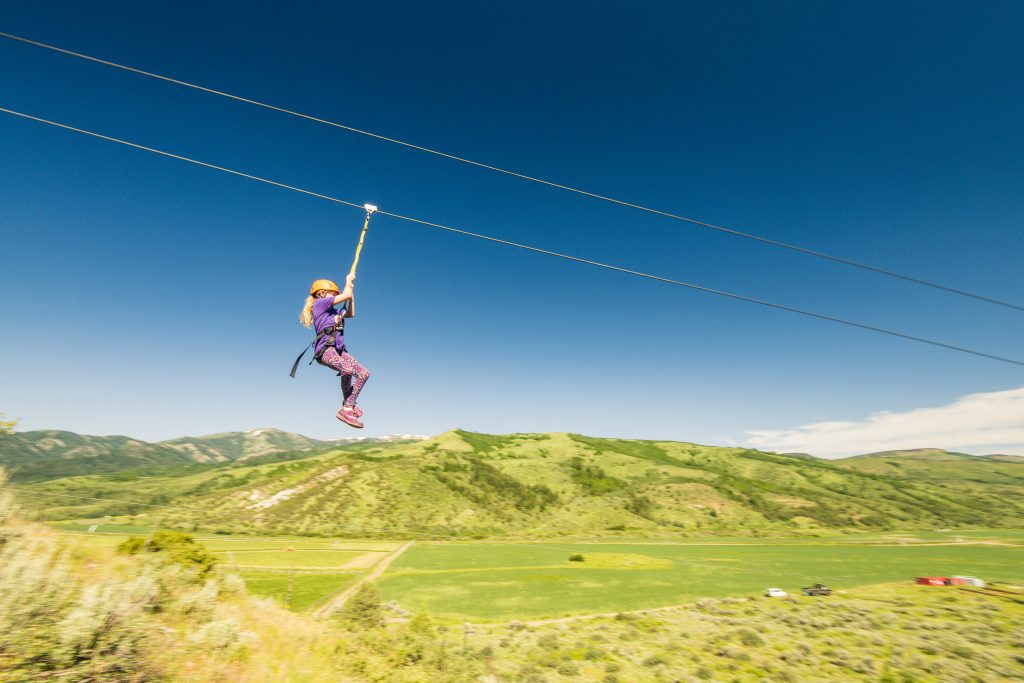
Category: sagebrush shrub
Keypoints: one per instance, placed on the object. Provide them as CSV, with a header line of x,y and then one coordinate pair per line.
x,y
50,623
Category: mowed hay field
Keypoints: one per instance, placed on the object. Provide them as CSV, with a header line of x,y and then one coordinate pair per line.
x,y
298,572
500,581
503,581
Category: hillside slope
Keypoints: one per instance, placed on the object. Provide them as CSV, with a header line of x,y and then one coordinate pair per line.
x,y
243,445
47,454
935,464
542,485
970,475
44,454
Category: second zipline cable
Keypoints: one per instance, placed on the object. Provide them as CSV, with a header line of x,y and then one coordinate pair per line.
x,y
598,264
523,176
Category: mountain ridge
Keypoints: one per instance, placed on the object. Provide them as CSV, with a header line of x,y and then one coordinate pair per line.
x,y
467,484
929,452
41,454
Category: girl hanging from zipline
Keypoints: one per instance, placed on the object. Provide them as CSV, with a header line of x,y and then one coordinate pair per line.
x,y
328,321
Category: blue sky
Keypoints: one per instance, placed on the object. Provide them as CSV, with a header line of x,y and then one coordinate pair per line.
x,y
149,297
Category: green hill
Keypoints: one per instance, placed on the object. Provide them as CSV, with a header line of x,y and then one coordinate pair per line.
x,y
243,445
934,464
49,454
45,454
546,485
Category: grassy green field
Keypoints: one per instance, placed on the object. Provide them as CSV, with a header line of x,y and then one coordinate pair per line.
x,y
992,536
499,581
298,572
296,559
297,590
1012,536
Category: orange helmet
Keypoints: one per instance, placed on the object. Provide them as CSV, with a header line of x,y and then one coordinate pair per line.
x,y
329,285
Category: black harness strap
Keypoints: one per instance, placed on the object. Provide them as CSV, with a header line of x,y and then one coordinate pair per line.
x,y
329,330
332,330
331,333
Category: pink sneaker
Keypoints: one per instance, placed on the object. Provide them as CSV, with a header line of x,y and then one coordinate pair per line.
x,y
347,416
357,411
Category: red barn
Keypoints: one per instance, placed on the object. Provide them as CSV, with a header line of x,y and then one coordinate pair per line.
x,y
933,580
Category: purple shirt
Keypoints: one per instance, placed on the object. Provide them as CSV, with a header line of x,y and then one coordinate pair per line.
x,y
324,314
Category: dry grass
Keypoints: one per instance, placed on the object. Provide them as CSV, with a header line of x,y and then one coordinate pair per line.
x,y
88,617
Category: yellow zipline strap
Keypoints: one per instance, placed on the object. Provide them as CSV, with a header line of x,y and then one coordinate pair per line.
x,y
370,208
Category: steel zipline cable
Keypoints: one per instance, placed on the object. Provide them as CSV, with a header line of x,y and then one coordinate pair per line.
x,y
523,176
567,257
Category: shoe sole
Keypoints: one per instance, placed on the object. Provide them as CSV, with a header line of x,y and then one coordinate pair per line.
x,y
350,422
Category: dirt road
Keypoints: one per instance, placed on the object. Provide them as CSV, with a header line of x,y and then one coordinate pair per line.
x,y
337,602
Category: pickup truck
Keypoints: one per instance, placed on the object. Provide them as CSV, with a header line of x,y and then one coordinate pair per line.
x,y
817,589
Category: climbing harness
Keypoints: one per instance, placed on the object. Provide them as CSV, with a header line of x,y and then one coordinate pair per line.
x,y
331,332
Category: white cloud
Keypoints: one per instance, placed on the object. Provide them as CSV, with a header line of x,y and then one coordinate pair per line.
x,y
982,423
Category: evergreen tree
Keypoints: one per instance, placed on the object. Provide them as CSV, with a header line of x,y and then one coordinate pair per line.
x,y
363,608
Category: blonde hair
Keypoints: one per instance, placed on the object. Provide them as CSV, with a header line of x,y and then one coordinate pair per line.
x,y
306,317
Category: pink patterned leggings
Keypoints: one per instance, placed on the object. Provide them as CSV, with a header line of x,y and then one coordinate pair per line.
x,y
353,374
